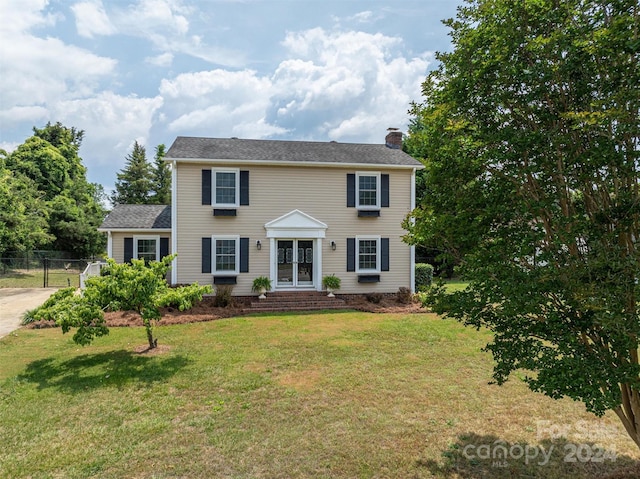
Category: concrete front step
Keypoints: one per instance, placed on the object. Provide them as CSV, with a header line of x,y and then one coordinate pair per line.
x,y
297,301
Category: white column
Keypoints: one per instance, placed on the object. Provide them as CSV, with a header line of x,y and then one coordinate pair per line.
x,y
318,270
412,250
273,260
109,245
174,221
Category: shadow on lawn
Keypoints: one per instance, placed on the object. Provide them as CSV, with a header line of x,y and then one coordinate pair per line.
x,y
110,369
475,456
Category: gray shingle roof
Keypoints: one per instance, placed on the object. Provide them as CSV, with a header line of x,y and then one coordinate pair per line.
x,y
138,217
270,151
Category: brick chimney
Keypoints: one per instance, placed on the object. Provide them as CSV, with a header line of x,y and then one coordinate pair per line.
x,y
393,138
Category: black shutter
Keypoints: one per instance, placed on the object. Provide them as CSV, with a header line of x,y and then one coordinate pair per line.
x,y
244,188
384,188
128,250
384,254
351,190
244,255
164,247
206,255
351,254
206,187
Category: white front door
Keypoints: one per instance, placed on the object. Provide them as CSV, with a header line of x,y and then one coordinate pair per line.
x,y
295,262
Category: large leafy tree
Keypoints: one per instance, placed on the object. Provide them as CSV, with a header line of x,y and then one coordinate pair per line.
x,y
135,180
49,161
530,133
23,214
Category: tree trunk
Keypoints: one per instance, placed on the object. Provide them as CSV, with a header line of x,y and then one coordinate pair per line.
x,y
153,343
628,413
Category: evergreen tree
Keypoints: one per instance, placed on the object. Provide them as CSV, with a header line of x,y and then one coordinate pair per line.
x,y
135,180
161,178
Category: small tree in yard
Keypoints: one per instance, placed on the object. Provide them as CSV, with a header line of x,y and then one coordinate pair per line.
x,y
135,287
530,134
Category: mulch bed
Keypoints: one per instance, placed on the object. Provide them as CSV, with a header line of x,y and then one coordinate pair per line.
x,y
207,311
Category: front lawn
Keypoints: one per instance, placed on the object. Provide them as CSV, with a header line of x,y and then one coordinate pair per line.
x,y
340,395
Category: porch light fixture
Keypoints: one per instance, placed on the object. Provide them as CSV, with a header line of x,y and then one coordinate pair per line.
x,y
258,244
333,245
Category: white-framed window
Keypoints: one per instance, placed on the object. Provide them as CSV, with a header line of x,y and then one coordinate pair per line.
x,y
146,247
368,254
226,187
226,255
368,190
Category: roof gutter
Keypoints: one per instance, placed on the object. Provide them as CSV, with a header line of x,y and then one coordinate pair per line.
x,y
300,163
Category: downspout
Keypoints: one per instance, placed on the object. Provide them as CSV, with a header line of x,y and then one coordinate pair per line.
x,y
412,248
174,221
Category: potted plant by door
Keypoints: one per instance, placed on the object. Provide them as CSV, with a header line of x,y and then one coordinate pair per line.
x,y
261,285
331,283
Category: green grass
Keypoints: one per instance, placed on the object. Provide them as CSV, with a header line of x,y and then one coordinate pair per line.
x,y
453,285
35,279
341,395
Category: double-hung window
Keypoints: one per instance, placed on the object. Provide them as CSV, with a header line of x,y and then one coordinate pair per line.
x,y
368,190
368,254
146,248
226,187
226,255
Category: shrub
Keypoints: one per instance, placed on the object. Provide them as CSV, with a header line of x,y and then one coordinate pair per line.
x,y
404,295
374,298
46,311
261,282
331,282
223,297
424,276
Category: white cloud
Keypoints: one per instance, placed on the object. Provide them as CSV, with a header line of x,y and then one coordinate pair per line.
x,y
111,122
349,84
156,15
218,103
92,19
17,114
336,85
43,70
362,17
21,15
163,60
165,24
39,71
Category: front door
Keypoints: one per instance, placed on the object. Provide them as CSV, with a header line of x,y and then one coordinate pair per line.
x,y
295,260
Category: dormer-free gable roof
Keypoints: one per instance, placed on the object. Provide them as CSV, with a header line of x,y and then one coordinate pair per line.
x,y
138,218
303,153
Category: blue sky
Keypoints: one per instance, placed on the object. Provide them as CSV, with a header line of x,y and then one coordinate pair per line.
x,y
151,70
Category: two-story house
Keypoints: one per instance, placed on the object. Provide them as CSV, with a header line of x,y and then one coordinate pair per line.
x,y
293,211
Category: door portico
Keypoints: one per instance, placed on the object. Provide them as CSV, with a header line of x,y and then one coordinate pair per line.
x,y
295,241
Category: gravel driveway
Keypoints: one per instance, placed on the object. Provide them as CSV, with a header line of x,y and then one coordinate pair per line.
x,y
15,301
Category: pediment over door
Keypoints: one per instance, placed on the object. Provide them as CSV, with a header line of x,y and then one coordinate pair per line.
x,y
295,224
